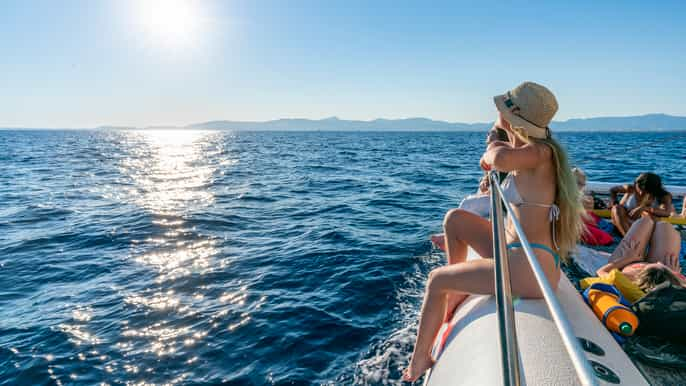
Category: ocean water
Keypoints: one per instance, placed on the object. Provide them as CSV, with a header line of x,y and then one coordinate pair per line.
x,y
193,257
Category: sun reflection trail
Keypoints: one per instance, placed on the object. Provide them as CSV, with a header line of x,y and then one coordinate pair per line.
x,y
169,175
170,170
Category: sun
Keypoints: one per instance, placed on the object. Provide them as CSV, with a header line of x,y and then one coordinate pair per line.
x,y
169,23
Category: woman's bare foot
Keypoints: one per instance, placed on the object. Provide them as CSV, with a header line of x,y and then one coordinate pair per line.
x,y
417,367
439,241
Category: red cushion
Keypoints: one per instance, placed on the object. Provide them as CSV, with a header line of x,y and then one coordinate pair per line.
x,y
595,235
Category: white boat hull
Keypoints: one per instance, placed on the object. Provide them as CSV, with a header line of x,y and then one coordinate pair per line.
x,y
471,355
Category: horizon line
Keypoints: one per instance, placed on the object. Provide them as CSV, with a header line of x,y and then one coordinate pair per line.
x,y
328,118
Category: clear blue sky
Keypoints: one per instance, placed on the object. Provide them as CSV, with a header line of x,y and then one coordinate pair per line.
x,y
89,63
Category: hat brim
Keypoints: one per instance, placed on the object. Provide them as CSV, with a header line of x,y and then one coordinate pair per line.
x,y
516,121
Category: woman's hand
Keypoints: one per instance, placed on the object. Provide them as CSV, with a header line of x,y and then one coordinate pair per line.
x,y
484,185
672,262
484,165
636,212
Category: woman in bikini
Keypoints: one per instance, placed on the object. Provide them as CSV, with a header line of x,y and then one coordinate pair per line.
x,y
662,243
645,195
543,192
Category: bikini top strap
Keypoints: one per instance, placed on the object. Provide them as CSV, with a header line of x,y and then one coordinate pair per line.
x,y
553,216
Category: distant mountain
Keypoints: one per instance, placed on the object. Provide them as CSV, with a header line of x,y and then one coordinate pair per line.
x,y
638,122
650,122
335,124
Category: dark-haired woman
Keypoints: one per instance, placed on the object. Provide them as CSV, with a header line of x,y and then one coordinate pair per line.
x,y
646,196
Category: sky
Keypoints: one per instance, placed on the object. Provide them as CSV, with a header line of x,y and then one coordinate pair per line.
x,y
69,64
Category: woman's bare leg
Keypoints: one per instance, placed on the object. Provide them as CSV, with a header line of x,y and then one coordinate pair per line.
x,y
620,219
636,239
476,276
665,246
471,277
464,229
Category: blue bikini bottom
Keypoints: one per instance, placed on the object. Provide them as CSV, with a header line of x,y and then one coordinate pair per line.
x,y
537,246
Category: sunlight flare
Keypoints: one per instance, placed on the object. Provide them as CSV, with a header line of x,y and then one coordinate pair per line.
x,y
169,23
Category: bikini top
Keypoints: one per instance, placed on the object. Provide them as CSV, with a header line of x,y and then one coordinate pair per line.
x,y
512,195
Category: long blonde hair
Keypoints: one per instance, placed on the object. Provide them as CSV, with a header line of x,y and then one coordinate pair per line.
x,y
570,225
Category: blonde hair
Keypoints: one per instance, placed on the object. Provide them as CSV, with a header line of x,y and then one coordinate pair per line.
x,y
653,276
570,225
580,177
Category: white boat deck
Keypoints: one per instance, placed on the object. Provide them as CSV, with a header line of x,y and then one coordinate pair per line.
x,y
472,352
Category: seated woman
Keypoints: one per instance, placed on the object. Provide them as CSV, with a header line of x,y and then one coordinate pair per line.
x,y
645,195
580,176
662,242
542,190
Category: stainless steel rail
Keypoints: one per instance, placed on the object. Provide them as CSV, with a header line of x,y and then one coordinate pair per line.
x,y
503,291
507,328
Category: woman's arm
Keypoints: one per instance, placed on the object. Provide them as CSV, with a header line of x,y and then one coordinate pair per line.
x,y
665,209
619,189
504,158
617,264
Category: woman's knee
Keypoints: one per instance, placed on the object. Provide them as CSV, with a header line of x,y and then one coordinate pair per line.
x,y
454,218
437,280
645,221
665,228
641,229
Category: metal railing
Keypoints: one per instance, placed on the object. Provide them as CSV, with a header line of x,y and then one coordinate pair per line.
x,y
503,297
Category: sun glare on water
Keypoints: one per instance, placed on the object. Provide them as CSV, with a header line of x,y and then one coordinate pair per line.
x,y
169,23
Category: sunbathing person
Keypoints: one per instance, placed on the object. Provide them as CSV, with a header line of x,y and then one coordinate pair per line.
x,y
645,195
662,243
543,192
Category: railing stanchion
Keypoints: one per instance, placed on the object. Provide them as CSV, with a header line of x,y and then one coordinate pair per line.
x,y
503,291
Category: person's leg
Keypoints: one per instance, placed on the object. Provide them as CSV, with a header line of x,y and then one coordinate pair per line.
x,y
471,277
620,219
665,246
465,229
636,239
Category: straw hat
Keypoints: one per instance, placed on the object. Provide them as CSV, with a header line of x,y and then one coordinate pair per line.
x,y
529,106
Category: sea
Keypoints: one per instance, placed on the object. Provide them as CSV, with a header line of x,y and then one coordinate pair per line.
x,y
239,258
